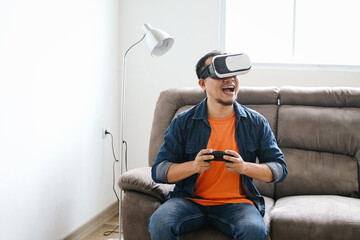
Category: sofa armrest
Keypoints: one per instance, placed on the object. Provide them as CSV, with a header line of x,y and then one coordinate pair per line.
x,y
140,180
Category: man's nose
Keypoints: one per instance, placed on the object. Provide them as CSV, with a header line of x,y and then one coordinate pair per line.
x,y
229,79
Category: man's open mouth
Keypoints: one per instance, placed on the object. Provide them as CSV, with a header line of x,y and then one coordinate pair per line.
x,y
228,89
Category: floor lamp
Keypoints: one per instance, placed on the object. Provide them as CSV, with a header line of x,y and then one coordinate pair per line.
x,y
158,43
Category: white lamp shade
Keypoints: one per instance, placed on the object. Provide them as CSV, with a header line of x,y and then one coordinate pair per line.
x,y
158,41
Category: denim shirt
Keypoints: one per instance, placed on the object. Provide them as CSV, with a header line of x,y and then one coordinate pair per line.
x,y
189,133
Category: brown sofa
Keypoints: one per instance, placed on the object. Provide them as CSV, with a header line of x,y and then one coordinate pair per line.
x,y
318,130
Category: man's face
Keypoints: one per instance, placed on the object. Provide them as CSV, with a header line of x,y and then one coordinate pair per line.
x,y
222,91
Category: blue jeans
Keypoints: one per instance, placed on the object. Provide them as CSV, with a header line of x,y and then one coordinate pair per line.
x,y
178,215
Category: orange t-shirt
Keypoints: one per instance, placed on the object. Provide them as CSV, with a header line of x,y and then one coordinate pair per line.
x,y
217,185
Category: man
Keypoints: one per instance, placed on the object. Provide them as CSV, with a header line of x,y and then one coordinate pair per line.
x,y
216,193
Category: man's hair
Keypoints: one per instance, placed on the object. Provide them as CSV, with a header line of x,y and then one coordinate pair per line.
x,y
200,66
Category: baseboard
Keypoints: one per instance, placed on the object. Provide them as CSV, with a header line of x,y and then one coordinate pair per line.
x,y
93,224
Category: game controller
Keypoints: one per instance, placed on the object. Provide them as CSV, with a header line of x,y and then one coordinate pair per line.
x,y
218,156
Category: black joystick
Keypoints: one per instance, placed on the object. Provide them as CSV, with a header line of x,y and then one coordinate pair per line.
x,y
218,156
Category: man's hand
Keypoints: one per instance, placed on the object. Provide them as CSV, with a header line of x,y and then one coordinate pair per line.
x,y
254,170
199,164
180,171
237,164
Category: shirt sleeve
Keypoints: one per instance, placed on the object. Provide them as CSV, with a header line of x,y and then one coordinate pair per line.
x,y
170,152
270,153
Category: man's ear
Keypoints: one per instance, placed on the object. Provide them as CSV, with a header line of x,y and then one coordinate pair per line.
x,y
202,83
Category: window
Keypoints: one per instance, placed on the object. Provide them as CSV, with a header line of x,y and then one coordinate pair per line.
x,y
290,31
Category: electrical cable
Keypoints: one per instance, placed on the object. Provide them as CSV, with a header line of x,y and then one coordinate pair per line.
x,y
126,161
112,144
107,233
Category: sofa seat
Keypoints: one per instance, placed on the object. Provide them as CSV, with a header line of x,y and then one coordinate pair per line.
x,y
315,217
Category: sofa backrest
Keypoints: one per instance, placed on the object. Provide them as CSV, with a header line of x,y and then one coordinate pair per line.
x,y
319,134
173,101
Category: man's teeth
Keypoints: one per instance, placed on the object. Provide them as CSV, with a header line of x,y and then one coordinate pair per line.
x,y
228,88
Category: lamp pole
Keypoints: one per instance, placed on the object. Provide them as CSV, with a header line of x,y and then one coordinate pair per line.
x,y
122,126
158,42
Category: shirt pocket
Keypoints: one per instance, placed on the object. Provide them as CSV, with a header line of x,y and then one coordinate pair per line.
x,y
251,148
191,150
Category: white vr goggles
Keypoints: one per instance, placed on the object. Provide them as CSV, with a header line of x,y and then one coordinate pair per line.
x,y
224,66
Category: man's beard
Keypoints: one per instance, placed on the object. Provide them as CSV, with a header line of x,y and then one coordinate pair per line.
x,y
229,103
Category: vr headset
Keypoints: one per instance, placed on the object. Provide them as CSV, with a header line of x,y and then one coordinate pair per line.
x,y
224,66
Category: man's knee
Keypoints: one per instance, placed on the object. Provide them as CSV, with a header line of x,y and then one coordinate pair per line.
x,y
165,220
160,222
252,230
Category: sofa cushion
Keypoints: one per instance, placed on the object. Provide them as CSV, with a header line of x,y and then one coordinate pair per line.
x,y
258,95
315,217
319,128
318,173
325,97
139,180
269,204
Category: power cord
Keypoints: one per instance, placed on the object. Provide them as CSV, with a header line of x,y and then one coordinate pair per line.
x,y
124,142
107,233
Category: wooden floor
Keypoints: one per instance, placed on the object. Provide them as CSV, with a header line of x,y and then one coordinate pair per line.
x,y
109,226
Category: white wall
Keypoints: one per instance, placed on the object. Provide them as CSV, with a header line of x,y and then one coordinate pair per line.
x,y
58,88
195,25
